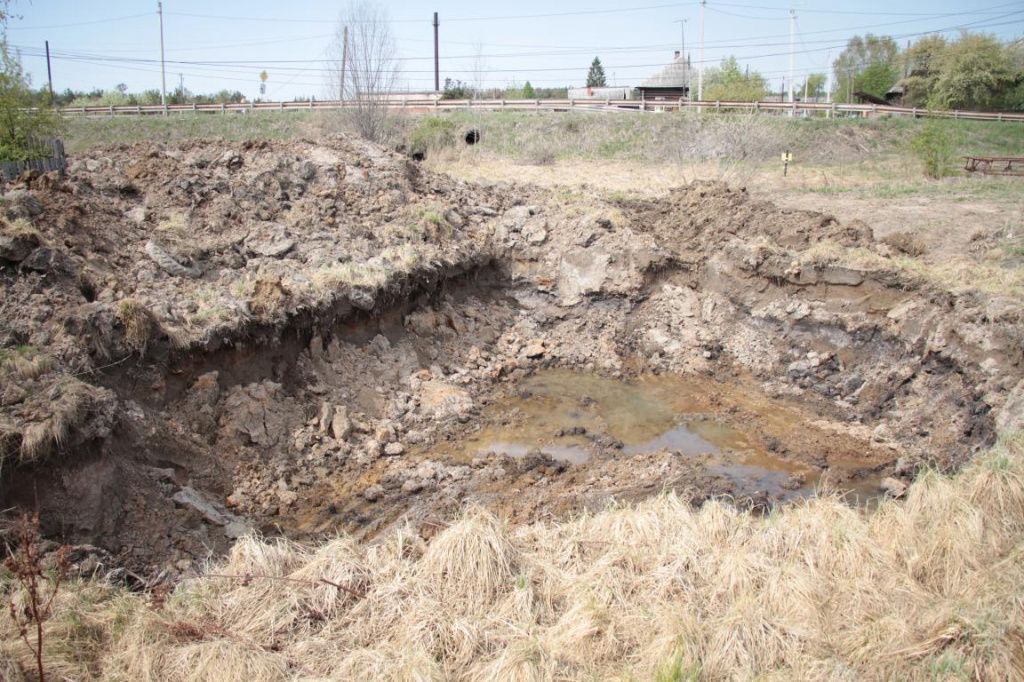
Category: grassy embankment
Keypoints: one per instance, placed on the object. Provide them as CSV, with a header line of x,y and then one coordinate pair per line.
x,y
923,589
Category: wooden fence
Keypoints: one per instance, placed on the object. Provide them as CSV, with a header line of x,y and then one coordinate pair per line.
x,y
55,161
422,105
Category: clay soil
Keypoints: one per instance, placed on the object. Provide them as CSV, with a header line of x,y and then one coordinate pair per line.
x,y
204,340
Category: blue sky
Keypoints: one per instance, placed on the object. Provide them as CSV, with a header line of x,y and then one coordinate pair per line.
x,y
101,44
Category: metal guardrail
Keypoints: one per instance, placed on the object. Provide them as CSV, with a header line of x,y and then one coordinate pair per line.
x,y
424,105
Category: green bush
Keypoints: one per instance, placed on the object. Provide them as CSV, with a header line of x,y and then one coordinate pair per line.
x,y
935,147
22,130
431,134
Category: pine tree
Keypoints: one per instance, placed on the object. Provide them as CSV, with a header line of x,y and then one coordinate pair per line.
x,y
595,77
529,92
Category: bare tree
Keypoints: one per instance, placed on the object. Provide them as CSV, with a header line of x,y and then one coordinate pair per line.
x,y
364,68
479,71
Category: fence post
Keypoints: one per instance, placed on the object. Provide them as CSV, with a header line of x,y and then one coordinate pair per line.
x,y
956,114
538,104
223,108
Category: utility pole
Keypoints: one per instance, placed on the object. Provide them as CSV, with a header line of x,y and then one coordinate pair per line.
x,y
181,87
437,59
682,53
792,49
344,58
828,82
163,70
682,36
700,71
49,73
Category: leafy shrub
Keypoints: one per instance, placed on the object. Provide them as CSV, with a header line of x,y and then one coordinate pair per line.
x,y
431,134
934,146
22,131
454,89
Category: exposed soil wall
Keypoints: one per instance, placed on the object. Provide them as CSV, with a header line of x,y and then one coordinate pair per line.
x,y
203,341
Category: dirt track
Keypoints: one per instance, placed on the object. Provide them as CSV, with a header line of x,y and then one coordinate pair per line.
x,y
203,340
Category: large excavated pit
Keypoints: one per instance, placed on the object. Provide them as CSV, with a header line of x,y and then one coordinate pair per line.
x,y
311,338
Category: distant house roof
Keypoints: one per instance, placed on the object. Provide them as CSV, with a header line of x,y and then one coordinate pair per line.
x,y
674,75
868,97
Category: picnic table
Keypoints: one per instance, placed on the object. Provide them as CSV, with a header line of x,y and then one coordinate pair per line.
x,y
995,165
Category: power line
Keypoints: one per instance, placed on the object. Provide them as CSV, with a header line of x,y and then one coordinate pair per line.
x,y
281,65
428,20
231,70
79,23
852,12
567,49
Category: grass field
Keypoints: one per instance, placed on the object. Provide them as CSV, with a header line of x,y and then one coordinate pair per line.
x,y
574,135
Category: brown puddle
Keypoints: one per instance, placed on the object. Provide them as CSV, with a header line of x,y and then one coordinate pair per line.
x,y
573,416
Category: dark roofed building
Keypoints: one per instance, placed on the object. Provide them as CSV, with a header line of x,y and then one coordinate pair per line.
x,y
671,83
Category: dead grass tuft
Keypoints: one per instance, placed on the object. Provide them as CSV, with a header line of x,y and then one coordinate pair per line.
x,y
471,562
140,324
70,401
24,362
921,589
20,229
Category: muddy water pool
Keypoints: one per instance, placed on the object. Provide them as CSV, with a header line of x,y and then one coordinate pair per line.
x,y
574,417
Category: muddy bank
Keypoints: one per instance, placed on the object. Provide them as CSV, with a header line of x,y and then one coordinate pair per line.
x,y
338,340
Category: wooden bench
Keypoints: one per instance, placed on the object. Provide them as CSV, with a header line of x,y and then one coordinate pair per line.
x,y
995,165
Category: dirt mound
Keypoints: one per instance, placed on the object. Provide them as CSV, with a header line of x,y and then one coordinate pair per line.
x,y
207,340
702,213
141,249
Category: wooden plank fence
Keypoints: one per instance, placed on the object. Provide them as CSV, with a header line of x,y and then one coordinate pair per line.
x,y
9,170
421,105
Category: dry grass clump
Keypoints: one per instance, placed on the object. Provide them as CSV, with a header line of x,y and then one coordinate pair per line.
x,y
20,229
70,401
139,323
24,362
375,273
922,589
472,559
988,275
364,275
